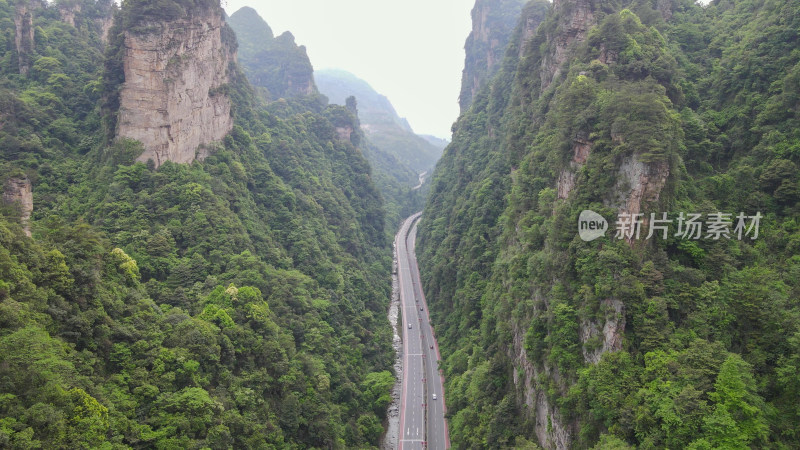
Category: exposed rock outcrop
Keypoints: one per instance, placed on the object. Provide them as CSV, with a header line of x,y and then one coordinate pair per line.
x,y
550,432
533,14
575,19
493,22
609,338
343,133
173,99
68,12
105,25
24,33
639,183
299,82
18,192
565,183
581,147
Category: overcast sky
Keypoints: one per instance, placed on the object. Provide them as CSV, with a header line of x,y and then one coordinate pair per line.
x,y
411,51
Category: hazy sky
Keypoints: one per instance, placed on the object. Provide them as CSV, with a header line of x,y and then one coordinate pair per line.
x,y
411,51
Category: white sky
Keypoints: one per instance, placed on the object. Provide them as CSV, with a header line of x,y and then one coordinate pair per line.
x,y
411,51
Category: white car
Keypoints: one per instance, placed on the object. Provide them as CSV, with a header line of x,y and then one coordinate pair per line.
x,y
434,396
409,326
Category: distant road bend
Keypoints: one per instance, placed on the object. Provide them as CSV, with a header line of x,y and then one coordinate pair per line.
x,y
422,407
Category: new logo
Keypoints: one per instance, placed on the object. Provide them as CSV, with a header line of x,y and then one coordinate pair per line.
x,y
591,225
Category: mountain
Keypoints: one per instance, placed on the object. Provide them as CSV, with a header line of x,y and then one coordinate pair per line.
x,y
276,64
161,94
435,141
493,22
600,111
392,173
380,122
182,265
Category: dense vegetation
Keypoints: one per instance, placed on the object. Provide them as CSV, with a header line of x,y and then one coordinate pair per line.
x,y
277,66
237,302
274,64
396,154
710,349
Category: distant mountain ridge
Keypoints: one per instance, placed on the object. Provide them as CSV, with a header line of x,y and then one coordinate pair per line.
x,y
277,64
379,120
396,155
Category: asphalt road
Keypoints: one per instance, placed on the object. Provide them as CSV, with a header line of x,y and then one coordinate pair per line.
x,y
422,423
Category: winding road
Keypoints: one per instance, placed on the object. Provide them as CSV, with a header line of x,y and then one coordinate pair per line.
x,y
422,422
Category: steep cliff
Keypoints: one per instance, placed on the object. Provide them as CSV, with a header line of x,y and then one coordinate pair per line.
x,y
172,97
18,192
492,24
532,15
24,32
68,10
94,15
572,342
277,64
574,20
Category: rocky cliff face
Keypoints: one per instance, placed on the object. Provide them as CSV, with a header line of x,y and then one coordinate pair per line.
x,y
173,98
105,24
18,192
575,19
298,75
531,17
68,12
24,33
549,429
97,15
492,25
640,183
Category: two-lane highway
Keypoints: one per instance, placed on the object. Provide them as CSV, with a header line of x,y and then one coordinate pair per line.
x,y
422,407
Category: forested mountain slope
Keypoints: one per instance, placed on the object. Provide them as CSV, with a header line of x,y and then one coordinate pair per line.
x,y
393,151
668,342
237,301
398,155
274,63
388,131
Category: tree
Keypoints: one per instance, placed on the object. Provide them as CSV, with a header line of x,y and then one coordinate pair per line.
x,y
737,420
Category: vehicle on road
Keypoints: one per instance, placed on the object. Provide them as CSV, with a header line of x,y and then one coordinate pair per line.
x,y
431,346
409,326
434,396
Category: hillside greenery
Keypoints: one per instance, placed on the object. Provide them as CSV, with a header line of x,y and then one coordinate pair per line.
x,y
709,352
274,65
397,155
237,302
